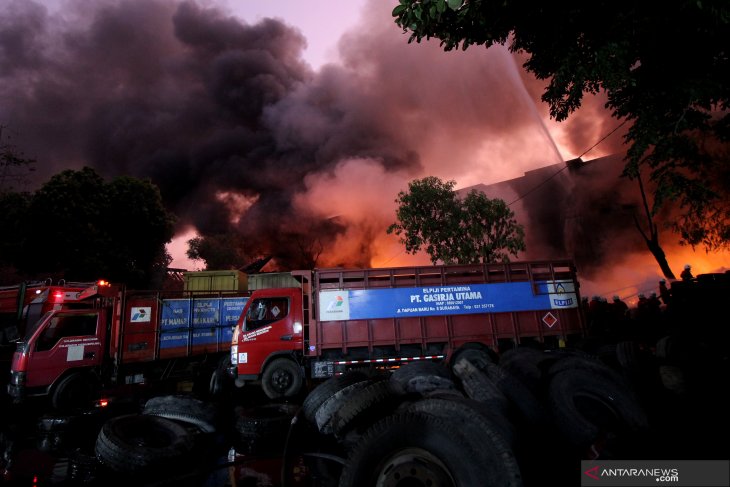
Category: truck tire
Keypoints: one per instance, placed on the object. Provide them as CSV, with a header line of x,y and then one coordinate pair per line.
x,y
74,392
587,364
136,443
478,353
521,399
263,429
421,449
184,408
527,365
327,389
422,377
365,406
282,378
220,382
586,406
325,413
493,427
478,386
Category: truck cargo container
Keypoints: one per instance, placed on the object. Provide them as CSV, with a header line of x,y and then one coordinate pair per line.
x,y
231,280
343,318
112,337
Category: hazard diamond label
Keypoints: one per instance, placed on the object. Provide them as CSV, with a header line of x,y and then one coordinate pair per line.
x,y
549,319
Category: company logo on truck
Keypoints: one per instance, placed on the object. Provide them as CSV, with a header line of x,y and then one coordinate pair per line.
x,y
562,294
141,314
336,303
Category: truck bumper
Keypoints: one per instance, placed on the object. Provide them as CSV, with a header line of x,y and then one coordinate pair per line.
x,y
16,392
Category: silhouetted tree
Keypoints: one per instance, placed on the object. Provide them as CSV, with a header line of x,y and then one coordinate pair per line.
x,y
432,217
664,70
82,228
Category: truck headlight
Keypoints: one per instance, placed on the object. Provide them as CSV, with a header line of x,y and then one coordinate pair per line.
x,y
17,378
234,354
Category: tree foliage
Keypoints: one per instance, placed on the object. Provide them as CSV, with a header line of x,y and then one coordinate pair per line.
x,y
81,228
663,69
14,166
220,252
432,217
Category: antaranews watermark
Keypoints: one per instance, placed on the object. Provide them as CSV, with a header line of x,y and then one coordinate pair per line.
x,y
639,473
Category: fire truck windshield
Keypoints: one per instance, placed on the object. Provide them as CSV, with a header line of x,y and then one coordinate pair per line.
x,y
34,326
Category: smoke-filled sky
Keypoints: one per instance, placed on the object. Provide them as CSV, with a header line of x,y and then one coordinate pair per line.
x,y
243,132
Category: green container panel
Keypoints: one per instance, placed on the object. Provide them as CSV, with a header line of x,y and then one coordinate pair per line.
x,y
215,281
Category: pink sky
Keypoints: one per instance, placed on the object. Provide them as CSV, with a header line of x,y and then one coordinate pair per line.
x,y
322,22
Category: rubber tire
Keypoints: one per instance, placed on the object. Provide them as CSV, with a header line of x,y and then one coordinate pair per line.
x,y
364,406
478,386
628,355
326,412
422,377
527,364
454,454
471,414
282,378
581,431
327,389
478,353
183,408
263,429
217,386
528,407
74,392
123,446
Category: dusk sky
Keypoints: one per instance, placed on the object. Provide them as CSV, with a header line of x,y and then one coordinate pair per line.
x,y
264,125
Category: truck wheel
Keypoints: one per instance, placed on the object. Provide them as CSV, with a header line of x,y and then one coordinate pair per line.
x,y
364,407
327,389
478,386
74,392
263,429
524,401
587,407
478,353
494,428
420,449
422,377
527,364
134,443
184,408
282,378
325,413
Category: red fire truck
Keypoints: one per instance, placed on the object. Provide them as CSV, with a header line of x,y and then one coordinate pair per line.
x,y
26,302
341,318
111,337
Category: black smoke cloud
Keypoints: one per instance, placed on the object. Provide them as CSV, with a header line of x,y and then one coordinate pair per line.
x,y
178,93
208,106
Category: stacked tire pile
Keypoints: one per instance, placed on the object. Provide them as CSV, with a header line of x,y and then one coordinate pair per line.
x,y
523,420
160,442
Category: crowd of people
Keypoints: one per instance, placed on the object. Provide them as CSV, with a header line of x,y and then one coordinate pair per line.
x,y
645,323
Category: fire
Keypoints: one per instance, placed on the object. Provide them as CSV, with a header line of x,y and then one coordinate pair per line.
x,y
639,273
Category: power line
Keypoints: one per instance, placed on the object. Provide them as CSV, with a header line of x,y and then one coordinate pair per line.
x,y
566,167
550,177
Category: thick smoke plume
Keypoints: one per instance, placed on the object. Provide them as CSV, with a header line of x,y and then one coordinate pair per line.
x,y
242,135
211,108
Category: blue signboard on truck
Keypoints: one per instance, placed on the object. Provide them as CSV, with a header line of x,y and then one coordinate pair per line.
x,y
206,320
365,304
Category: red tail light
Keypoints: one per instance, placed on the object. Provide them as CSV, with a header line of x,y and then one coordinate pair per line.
x,y
58,295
